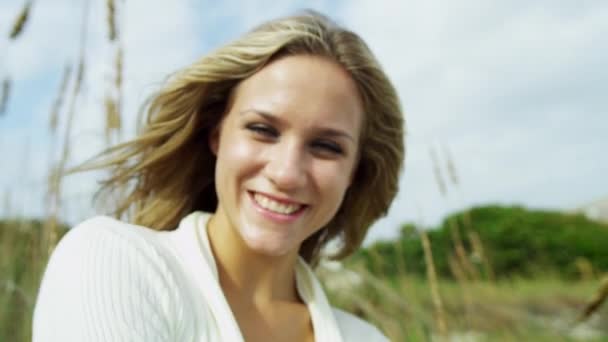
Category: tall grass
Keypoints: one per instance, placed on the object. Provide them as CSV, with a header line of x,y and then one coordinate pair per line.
x,y
545,308
23,256
471,306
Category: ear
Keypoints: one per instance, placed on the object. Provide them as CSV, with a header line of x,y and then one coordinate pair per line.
x,y
214,139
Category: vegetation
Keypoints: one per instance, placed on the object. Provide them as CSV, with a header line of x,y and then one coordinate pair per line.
x,y
532,298
516,242
23,257
486,274
541,309
520,275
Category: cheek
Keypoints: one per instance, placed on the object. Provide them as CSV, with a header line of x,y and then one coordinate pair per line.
x,y
235,149
237,159
331,184
237,153
332,181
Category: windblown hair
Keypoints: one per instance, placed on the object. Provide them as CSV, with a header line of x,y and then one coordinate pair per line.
x,y
168,170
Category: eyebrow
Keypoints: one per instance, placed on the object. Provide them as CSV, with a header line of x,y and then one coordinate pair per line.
x,y
276,120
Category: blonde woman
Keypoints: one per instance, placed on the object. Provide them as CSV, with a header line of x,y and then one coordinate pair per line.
x,y
249,162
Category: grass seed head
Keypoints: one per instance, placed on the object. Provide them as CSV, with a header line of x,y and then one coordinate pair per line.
x,y
6,90
54,118
111,20
20,21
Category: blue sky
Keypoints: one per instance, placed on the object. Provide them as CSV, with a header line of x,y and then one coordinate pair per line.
x,y
515,91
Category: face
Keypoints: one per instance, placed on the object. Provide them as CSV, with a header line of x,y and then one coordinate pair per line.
x,y
286,152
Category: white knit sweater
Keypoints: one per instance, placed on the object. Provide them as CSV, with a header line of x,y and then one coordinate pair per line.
x,y
112,281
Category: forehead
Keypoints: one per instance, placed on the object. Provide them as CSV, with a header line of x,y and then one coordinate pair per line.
x,y
310,88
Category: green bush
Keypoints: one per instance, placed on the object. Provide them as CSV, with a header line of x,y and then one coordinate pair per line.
x,y
516,241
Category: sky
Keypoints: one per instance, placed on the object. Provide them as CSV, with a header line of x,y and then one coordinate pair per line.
x,y
513,91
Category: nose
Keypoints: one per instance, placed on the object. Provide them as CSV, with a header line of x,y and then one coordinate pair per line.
x,y
286,167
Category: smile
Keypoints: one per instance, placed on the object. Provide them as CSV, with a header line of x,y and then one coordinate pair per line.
x,y
276,206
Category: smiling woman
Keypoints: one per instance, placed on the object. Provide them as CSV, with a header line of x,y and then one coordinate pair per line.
x,y
250,161
280,177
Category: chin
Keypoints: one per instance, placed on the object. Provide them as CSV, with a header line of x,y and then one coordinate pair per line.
x,y
273,252
268,246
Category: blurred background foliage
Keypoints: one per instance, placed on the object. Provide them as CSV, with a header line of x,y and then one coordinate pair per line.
x,y
500,274
23,257
517,242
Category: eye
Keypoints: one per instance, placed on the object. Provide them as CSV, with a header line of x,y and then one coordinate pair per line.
x,y
262,130
328,147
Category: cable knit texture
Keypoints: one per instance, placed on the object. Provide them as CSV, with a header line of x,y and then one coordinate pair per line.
x,y
112,281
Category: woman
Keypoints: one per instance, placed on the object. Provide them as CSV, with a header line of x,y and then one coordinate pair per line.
x,y
249,162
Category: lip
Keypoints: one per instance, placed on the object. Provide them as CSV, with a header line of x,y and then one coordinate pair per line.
x,y
278,199
276,217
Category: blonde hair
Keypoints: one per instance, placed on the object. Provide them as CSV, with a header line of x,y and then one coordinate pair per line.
x,y
168,170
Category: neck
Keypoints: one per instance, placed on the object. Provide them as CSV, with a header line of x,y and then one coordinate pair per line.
x,y
246,274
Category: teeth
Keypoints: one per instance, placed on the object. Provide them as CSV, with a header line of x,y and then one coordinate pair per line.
x,y
275,206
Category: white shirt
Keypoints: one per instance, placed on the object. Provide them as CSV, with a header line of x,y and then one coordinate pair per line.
x,y
112,281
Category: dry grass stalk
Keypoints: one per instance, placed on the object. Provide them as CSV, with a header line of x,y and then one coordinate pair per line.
x,y
391,295
79,75
70,117
50,224
119,69
478,246
461,279
52,234
20,21
585,268
461,252
456,269
51,183
364,307
60,98
113,102
57,177
112,117
479,250
594,304
437,172
117,122
401,266
6,90
111,19
431,273
55,190
450,167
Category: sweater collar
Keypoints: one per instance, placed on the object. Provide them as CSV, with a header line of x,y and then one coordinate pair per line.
x,y
193,244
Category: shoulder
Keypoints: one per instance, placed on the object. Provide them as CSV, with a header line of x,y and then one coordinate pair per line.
x,y
354,328
106,275
107,228
103,243
102,248
98,242
102,237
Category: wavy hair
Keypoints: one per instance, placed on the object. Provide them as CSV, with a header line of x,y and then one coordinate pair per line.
x,y
168,170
